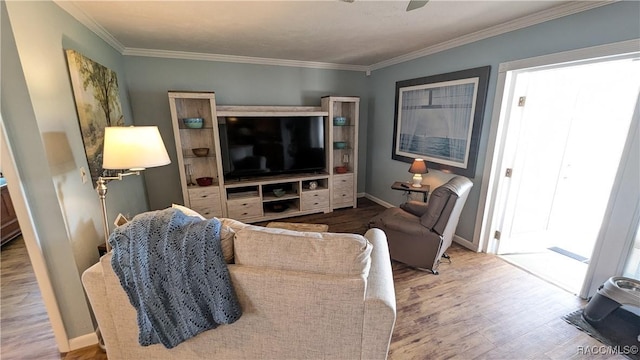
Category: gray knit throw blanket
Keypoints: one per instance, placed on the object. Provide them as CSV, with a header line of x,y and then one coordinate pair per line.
x,y
172,268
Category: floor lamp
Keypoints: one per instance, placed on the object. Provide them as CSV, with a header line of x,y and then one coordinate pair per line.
x,y
129,148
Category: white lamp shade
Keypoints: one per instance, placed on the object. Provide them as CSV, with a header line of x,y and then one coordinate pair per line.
x,y
133,148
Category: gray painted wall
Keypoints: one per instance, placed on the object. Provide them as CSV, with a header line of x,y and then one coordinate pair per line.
x,y
149,80
39,113
607,24
22,129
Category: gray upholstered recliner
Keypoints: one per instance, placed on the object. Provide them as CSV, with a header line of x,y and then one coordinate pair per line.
x,y
419,233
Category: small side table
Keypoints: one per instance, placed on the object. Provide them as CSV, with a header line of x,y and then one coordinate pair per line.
x,y
102,249
424,189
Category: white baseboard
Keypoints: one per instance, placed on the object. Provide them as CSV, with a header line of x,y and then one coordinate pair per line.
x,y
378,201
83,341
465,243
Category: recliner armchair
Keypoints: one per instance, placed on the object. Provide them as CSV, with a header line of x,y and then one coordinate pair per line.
x,y
419,233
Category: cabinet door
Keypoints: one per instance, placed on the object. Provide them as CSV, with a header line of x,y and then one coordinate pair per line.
x,y
10,227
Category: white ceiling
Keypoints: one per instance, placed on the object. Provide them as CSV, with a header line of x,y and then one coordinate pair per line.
x,y
361,35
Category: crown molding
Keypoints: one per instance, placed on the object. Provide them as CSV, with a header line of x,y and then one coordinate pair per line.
x,y
90,23
618,50
537,18
170,54
533,19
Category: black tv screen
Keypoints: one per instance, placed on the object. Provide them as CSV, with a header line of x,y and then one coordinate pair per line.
x,y
260,146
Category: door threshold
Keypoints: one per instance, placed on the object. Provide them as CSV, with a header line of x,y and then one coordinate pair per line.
x,y
552,267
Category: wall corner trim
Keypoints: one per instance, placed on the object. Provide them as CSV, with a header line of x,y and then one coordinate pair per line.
x,y
83,341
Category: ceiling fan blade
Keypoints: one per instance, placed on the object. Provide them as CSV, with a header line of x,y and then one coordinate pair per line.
x,y
416,4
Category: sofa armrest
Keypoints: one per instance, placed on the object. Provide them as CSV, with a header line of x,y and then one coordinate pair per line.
x,y
380,300
416,208
93,282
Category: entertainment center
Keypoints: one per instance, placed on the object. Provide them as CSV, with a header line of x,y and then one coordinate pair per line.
x,y
259,163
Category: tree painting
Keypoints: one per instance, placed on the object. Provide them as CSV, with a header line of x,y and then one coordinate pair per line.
x,y
95,89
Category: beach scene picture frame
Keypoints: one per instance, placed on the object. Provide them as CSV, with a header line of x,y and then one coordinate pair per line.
x,y
439,118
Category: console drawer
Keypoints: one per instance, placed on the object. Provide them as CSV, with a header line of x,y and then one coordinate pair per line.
x,y
207,207
206,201
244,208
200,193
342,197
343,182
314,199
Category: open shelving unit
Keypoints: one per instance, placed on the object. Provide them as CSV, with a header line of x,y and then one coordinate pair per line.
x,y
204,199
253,199
343,161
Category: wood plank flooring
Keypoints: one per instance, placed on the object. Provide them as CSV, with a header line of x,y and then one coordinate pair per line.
x,y
25,323
479,307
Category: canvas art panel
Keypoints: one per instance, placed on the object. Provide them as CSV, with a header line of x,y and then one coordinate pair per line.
x,y
438,119
97,98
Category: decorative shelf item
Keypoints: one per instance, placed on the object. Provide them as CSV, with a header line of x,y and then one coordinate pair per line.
x,y
204,181
200,152
193,123
341,169
339,121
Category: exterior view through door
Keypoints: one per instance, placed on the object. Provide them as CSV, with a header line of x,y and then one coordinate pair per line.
x,y
564,143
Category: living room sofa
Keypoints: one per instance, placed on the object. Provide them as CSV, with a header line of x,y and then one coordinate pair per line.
x,y
303,295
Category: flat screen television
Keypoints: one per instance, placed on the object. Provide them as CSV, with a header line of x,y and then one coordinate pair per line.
x,y
262,146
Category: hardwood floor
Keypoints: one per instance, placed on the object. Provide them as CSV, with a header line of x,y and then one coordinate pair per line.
x,y
479,307
25,323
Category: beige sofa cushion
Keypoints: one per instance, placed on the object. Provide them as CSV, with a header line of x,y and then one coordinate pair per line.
x,y
325,253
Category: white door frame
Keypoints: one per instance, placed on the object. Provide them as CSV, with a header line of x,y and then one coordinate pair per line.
x,y
487,214
622,216
32,242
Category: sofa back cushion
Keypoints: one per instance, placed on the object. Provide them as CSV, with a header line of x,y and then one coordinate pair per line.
x,y
441,202
324,253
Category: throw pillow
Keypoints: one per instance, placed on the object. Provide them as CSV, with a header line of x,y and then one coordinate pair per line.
x,y
226,239
189,212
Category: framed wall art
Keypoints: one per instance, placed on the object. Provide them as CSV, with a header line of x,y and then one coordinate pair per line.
x,y
438,118
97,98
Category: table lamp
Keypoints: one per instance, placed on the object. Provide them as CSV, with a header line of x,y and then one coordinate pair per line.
x,y
418,168
132,149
